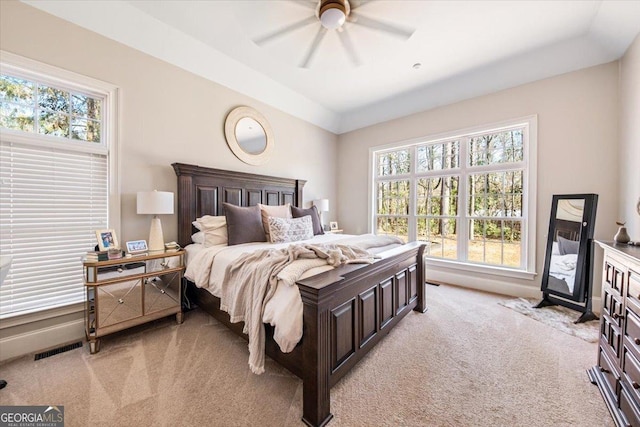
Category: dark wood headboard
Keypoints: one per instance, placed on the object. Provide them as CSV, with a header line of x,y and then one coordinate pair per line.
x,y
201,191
568,229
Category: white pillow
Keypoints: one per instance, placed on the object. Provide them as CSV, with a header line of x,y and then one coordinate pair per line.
x,y
198,237
284,230
210,222
213,229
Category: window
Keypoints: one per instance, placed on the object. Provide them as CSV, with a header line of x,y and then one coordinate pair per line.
x,y
468,195
57,152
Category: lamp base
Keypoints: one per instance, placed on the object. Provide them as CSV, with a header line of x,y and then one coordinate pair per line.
x,y
156,239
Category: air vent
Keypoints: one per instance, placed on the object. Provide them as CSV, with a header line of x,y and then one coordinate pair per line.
x,y
58,350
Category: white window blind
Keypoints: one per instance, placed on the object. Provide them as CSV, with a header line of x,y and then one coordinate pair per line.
x,y
52,202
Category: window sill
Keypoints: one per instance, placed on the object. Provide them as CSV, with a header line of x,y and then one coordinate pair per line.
x,y
23,319
482,269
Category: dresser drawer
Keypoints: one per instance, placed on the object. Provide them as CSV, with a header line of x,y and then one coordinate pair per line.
x,y
613,276
629,409
609,371
632,331
612,306
631,373
611,335
633,292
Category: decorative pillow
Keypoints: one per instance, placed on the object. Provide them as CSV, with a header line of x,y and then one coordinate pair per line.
x,y
284,230
244,225
266,211
315,217
566,246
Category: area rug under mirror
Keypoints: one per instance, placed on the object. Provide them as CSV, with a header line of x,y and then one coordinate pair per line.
x,y
558,317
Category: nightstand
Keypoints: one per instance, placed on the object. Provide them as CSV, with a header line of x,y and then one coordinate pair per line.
x,y
338,231
126,292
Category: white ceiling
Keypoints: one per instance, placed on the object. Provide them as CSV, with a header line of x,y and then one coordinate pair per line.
x,y
466,48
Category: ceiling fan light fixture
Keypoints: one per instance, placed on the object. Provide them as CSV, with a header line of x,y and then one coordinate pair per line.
x,y
333,13
332,18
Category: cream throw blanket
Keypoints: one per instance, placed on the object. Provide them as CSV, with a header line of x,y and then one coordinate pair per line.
x,y
251,280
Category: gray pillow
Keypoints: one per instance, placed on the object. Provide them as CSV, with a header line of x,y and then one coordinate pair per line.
x,y
313,213
244,225
566,246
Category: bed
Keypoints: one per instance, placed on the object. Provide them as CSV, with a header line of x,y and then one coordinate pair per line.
x,y
346,311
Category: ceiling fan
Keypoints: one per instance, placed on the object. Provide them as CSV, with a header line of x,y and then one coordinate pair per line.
x,y
335,15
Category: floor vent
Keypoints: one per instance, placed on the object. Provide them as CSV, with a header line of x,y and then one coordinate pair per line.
x,y
58,350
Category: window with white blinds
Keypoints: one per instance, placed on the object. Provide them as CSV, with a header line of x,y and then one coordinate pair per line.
x,y
52,202
57,150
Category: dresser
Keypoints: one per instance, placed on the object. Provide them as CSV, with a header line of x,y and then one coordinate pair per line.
x,y
130,291
617,373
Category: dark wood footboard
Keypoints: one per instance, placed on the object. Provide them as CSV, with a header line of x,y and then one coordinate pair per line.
x,y
346,312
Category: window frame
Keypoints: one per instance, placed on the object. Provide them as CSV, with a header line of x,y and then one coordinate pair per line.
x,y
529,162
29,69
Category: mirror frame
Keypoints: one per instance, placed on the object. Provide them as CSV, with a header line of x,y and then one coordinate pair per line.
x,y
582,286
230,124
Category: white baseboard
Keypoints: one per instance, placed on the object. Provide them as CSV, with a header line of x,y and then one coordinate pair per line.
x,y
41,339
493,284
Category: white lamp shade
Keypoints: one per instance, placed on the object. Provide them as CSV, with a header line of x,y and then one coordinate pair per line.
x,y
155,202
322,205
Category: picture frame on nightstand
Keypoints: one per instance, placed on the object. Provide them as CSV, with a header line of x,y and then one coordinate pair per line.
x,y
333,225
137,246
107,239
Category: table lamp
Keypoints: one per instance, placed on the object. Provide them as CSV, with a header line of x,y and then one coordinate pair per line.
x,y
155,203
323,206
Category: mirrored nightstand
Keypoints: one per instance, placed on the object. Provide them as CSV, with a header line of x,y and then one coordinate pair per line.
x,y
130,291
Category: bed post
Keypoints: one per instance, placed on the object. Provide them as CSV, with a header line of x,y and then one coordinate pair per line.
x,y
316,398
421,305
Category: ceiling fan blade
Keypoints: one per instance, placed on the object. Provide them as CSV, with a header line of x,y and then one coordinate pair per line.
x,y
359,3
308,4
284,30
376,24
347,43
314,47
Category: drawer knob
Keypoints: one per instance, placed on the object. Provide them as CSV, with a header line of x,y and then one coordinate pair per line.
x,y
120,301
606,371
637,341
635,385
165,264
617,316
120,270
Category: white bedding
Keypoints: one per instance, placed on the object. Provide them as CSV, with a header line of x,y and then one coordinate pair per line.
x,y
206,268
563,267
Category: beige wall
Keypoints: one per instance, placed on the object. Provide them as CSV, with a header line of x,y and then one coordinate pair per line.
x,y
630,139
167,115
577,153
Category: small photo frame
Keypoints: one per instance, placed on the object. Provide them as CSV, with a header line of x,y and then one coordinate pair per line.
x,y
107,239
333,225
137,246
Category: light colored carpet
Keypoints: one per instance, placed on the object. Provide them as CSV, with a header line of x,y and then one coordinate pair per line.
x,y
558,317
468,361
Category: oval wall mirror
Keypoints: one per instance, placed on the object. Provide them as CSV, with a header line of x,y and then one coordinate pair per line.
x,y
248,135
